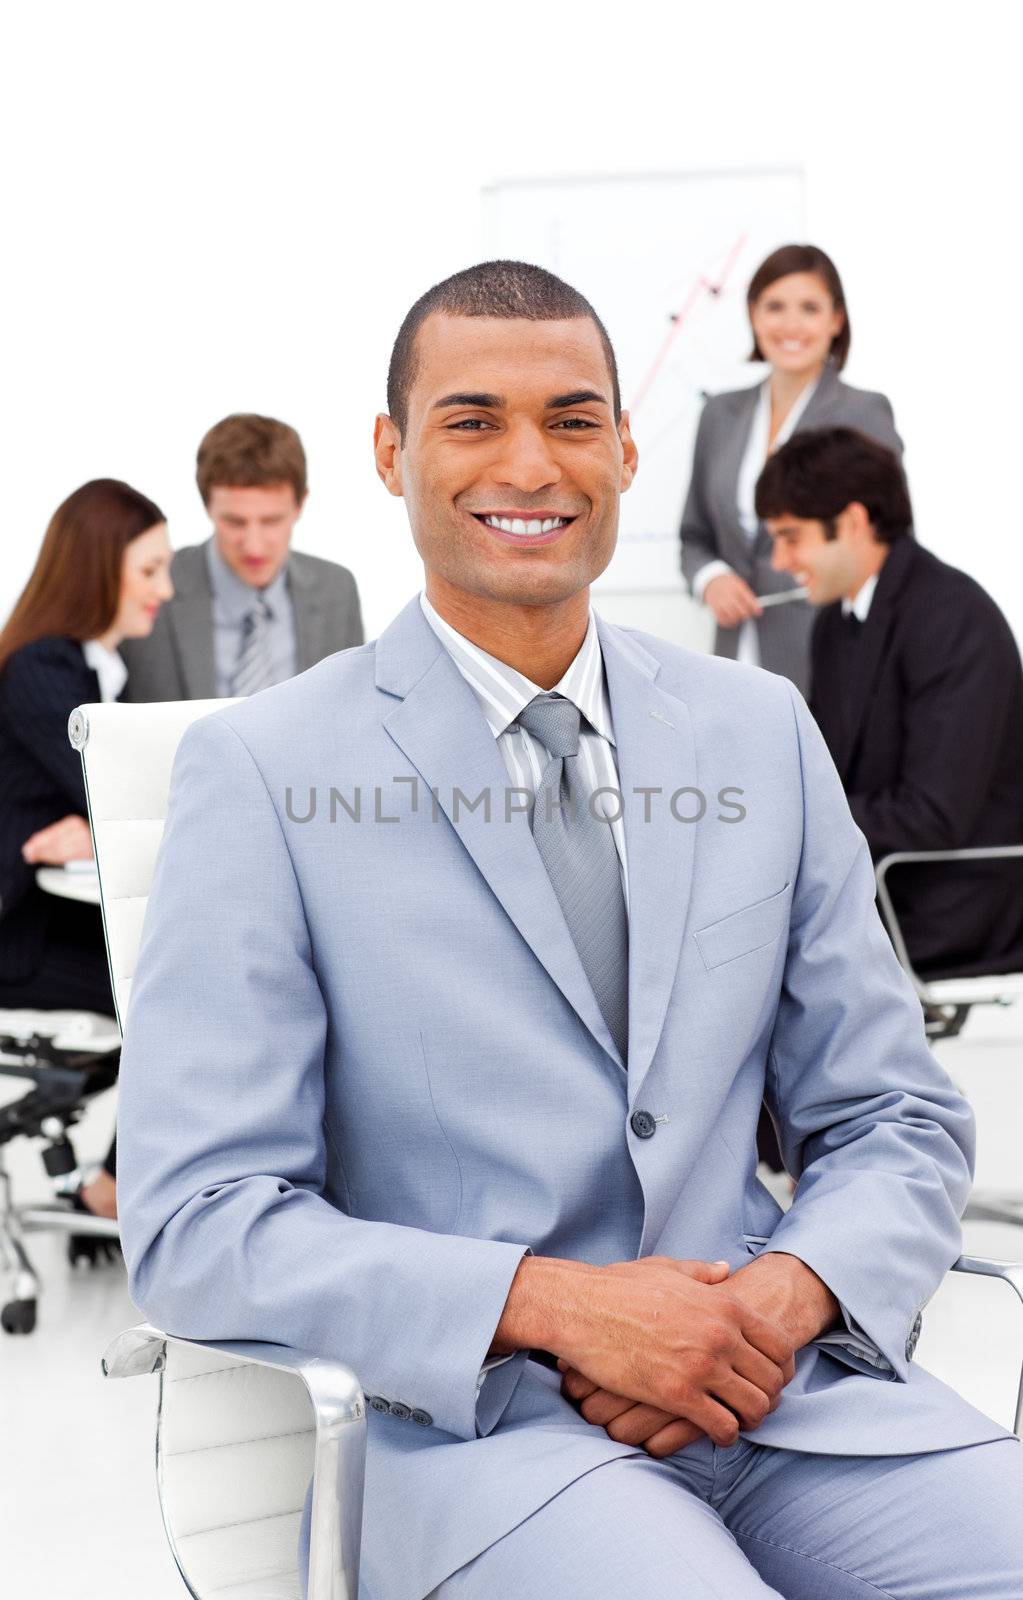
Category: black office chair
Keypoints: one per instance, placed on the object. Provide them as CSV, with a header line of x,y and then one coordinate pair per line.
x,y
67,1056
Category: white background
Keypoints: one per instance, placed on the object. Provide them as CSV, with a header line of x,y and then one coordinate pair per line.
x,y
231,205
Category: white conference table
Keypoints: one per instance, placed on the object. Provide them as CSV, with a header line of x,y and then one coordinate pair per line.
x,y
70,885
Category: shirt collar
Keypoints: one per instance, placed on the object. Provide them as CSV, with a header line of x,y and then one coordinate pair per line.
x,y
859,605
503,692
108,666
232,594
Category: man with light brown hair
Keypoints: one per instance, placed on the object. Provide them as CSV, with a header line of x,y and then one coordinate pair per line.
x,y
248,611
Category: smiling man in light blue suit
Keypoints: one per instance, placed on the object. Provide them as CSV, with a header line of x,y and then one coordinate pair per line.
x,y
454,1083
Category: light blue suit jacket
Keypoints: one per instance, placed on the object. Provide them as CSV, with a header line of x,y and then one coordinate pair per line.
x,y
363,1070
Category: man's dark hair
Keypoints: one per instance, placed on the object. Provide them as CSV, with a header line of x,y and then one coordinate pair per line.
x,y
820,472
491,289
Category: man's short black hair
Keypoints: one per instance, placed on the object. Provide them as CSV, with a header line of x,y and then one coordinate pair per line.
x,y
490,289
820,472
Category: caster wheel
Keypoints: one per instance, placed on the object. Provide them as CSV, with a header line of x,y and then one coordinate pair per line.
x,y
18,1316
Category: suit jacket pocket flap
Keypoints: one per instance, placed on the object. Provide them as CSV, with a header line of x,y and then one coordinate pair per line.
x,y
744,931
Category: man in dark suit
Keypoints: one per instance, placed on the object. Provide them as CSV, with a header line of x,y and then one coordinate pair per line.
x,y
918,690
247,611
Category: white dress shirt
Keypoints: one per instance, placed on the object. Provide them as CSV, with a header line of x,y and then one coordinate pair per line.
x,y
754,456
108,666
233,599
859,605
503,692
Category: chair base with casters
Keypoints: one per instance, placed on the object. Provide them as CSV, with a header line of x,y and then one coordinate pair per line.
x,y
67,1056
947,1001
242,1430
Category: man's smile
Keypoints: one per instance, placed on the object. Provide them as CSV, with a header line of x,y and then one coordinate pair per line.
x,y
515,527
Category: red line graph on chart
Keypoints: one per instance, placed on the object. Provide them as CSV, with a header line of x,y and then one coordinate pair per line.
x,y
702,286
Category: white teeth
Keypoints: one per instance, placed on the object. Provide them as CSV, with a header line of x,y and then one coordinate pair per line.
x,y
525,529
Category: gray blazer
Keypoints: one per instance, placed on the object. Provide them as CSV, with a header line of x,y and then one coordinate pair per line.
x,y
176,661
372,1073
711,530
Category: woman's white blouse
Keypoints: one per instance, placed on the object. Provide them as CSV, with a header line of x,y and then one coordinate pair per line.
x,y
754,456
108,666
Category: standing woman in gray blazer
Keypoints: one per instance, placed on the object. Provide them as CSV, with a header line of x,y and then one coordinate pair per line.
x,y
800,326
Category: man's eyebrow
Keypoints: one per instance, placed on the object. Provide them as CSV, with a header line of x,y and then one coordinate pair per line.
x,y
578,397
479,402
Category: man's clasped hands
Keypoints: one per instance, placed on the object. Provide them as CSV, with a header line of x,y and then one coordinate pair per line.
x,y
660,1352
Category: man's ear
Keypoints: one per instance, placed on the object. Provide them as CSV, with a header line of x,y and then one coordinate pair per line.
x,y
855,523
630,455
387,452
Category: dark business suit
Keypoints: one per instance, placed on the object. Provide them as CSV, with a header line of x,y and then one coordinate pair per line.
x,y
52,953
711,530
176,661
923,713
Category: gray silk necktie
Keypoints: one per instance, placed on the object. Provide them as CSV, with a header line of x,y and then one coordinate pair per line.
x,y
252,669
579,853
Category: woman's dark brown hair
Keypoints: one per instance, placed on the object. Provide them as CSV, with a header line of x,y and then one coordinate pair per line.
x,y
802,258
75,586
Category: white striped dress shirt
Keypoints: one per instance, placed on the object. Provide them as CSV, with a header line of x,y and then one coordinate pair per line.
x,y
502,693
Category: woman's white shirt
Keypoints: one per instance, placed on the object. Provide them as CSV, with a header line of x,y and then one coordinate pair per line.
x,y
753,458
108,666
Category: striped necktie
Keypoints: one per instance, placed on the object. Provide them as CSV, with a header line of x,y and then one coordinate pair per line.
x,y
579,853
253,669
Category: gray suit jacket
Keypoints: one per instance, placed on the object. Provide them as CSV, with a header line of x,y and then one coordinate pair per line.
x,y
372,1073
176,661
711,530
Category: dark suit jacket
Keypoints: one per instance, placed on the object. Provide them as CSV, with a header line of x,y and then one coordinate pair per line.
x,y
926,730
41,782
711,530
176,661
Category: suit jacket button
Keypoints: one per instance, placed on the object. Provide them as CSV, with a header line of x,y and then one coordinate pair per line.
x,y
643,1124
378,1403
423,1419
399,1409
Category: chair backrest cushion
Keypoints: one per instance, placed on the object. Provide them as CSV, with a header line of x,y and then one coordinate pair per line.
x,y
127,754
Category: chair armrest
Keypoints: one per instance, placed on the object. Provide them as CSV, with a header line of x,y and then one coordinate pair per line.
x,y
339,1413
1011,1272
900,858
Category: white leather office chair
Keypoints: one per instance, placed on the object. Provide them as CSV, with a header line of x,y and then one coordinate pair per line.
x,y
242,1427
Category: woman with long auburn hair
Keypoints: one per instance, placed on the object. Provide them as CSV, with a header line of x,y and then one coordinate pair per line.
x,y
801,330
101,576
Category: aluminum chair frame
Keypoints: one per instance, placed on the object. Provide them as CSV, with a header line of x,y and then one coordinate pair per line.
x,y
338,1455
945,991
955,995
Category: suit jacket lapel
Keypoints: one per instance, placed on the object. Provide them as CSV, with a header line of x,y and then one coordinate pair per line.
x,y
655,750
820,402
726,464
190,618
873,646
438,725
308,615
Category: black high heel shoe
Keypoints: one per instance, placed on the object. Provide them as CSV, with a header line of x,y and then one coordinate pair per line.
x,y
92,1248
